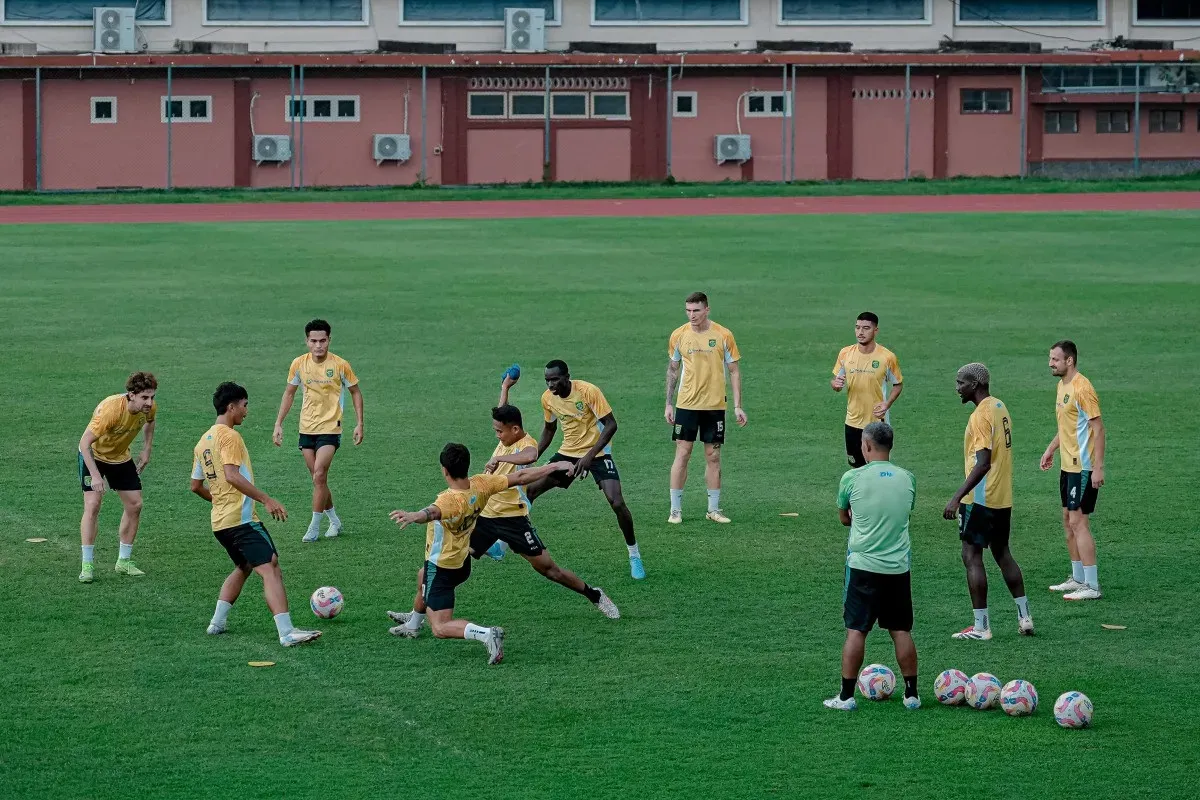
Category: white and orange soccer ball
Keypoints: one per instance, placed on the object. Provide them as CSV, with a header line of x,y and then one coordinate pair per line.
x,y
950,687
1018,698
1073,710
983,691
876,682
327,602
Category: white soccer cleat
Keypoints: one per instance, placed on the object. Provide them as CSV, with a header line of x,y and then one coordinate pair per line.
x,y
676,517
312,535
717,516
296,636
495,645
404,632
912,703
837,703
973,633
607,607
215,630
1086,593
333,531
1025,625
1069,585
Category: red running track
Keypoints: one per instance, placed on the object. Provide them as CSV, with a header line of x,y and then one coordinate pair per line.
x,y
665,207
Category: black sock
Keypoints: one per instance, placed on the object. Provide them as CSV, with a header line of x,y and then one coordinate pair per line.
x,y
591,593
910,685
847,688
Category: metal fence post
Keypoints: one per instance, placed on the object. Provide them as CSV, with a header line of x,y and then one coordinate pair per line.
x,y
907,121
792,156
670,117
37,86
787,107
424,116
291,110
1024,125
303,114
1137,120
546,134
169,116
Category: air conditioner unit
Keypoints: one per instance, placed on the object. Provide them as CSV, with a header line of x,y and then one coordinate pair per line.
x,y
272,148
524,30
732,147
391,147
113,30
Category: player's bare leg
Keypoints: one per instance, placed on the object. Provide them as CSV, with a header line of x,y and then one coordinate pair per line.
x,y
1016,586
679,471
1075,581
549,569
612,493
972,557
1085,547
131,516
712,481
444,626
318,462
853,652
276,597
88,526
906,658
231,589
558,480
411,621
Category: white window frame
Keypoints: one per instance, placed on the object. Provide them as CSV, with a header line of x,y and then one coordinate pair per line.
x,y
362,22
853,23
666,23
1099,22
403,23
675,112
503,115
587,105
787,104
187,100
113,119
80,23
592,105
309,99
512,114
984,111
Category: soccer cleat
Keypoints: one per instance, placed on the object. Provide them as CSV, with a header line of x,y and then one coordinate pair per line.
x,y
311,535
495,645
676,517
333,531
88,573
717,516
607,607
1025,626
1069,585
912,703
496,551
127,567
973,633
404,631
214,629
636,569
837,703
296,636
1086,593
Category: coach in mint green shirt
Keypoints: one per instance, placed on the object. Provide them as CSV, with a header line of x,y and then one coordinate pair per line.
x,y
882,496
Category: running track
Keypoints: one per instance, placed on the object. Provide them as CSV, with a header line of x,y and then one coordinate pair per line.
x,y
666,207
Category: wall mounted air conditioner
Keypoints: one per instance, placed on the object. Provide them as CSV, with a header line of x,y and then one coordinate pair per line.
x,y
524,30
114,30
732,147
272,148
391,147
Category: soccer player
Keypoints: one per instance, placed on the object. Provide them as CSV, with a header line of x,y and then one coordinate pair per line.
x,y
983,503
326,378
451,519
870,374
222,461
1080,442
702,350
588,428
104,456
875,501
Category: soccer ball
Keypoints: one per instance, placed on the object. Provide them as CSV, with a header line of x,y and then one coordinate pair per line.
x,y
327,602
950,687
983,691
1018,698
876,682
1073,710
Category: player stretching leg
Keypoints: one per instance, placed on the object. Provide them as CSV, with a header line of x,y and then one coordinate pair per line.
x,y
983,503
703,350
223,463
870,374
104,456
326,378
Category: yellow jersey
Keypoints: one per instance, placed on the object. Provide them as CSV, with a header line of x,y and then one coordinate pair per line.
x,y
1076,404
115,428
704,356
219,446
448,540
512,502
869,381
324,387
990,428
580,414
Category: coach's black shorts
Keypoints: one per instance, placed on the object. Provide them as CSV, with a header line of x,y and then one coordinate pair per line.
x,y
248,545
440,583
854,447
315,441
873,596
121,477
709,425
517,532
602,469
983,526
1077,492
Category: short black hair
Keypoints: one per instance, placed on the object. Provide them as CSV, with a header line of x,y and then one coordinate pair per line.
x,y
456,458
559,365
697,297
869,316
228,393
1068,348
507,414
318,325
881,434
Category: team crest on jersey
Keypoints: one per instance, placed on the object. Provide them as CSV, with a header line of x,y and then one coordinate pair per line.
x,y
474,498
712,342
1066,398
579,405
874,365
328,373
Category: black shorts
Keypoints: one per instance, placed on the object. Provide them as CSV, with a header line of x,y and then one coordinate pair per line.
x,y
315,441
602,469
248,545
854,447
707,424
983,526
517,532
121,477
1077,492
873,596
440,583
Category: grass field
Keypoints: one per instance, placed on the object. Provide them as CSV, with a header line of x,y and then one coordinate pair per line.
x,y
711,683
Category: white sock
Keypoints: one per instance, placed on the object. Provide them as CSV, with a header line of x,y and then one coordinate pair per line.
x,y
414,621
981,619
633,551
126,551
283,623
476,632
332,516
316,520
714,499
221,614
1022,607
677,500
1090,576
1077,571
88,552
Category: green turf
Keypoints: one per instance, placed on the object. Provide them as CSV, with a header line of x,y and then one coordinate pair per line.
x,y
711,683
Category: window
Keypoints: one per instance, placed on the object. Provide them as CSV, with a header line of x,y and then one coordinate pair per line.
x,y
768,104
286,12
78,12
527,106
799,12
990,12
1064,79
322,108
569,106
1166,120
470,12
610,105
1112,122
685,104
1168,10
187,109
669,12
486,104
1061,122
104,110
986,101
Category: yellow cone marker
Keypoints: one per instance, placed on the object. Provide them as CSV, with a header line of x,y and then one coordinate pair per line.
x,y
261,663
1108,627
36,540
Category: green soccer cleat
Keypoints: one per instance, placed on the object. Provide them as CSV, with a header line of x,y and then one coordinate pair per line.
x,y
127,567
87,574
